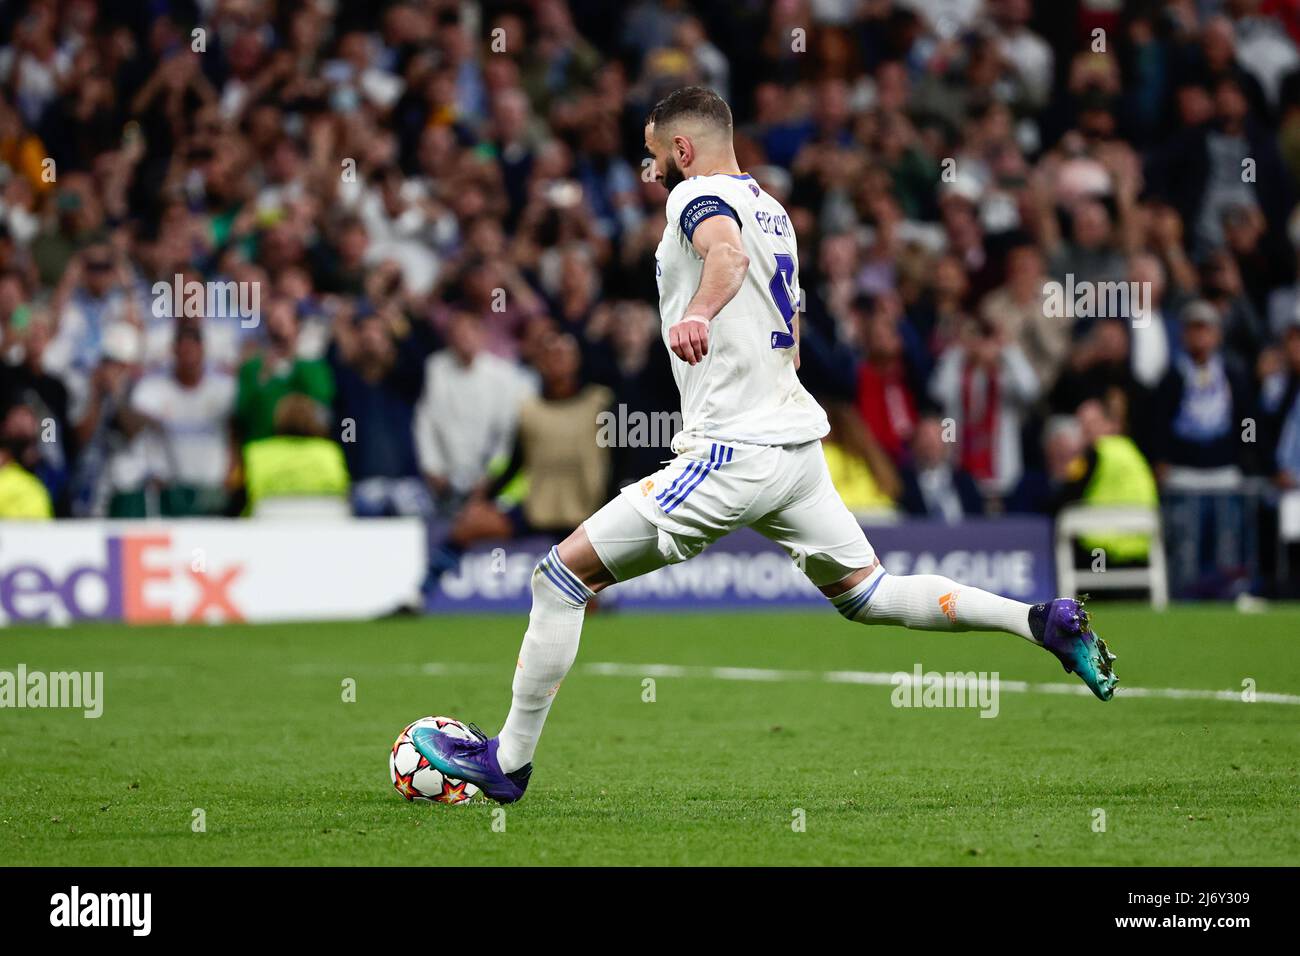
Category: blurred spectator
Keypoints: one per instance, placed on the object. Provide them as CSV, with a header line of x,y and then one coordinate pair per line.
x,y
298,469
1100,367
1016,308
932,486
186,412
1201,171
22,151
1045,489
889,390
645,387
1280,424
710,63
1282,412
1204,399
860,470
35,64
111,469
378,377
555,450
1027,55
1091,253
95,293
25,383
22,495
1241,328
467,413
1153,335
1113,472
1263,47
986,385
495,292
74,218
276,371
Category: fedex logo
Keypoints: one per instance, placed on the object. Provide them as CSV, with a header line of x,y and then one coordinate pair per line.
x,y
139,580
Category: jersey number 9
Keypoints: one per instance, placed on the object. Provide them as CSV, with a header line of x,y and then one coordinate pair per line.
x,y
781,294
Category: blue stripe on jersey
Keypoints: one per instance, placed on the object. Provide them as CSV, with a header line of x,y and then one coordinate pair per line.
x,y
701,208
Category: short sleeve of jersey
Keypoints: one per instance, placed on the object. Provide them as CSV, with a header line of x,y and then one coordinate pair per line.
x,y
692,202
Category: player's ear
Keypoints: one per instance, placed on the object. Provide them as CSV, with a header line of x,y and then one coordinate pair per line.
x,y
685,151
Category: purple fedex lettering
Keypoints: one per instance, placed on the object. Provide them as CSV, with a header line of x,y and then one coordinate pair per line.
x,y
21,590
22,585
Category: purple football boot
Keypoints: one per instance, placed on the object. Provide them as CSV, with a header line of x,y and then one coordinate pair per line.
x,y
473,760
1066,634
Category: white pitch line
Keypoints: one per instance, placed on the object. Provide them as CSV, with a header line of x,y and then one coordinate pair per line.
x,y
883,678
871,678
760,674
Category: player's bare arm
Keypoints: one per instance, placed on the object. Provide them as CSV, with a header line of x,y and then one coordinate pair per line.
x,y
717,240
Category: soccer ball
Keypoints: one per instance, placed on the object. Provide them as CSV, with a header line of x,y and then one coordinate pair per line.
x,y
415,778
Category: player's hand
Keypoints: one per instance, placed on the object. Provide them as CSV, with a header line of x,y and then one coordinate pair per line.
x,y
689,339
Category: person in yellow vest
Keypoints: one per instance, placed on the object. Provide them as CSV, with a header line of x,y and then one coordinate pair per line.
x,y
22,496
299,460
854,480
860,470
1112,472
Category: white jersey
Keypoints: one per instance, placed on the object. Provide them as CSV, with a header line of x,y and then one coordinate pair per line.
x,y
745,390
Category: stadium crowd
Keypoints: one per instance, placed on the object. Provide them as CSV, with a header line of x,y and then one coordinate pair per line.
x,y
433,220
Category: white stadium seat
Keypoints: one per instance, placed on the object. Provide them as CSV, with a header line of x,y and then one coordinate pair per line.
x,y
303,506
1075,521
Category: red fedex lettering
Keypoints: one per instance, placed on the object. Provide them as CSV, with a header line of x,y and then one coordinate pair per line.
x,y
135,576
214,592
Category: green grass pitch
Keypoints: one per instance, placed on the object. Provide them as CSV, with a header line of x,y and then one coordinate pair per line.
x,y
249,725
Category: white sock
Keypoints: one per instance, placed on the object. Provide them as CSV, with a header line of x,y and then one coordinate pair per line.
x,y
549,648
930,602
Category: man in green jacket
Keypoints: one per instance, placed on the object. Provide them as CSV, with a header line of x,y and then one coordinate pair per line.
x,y
277,371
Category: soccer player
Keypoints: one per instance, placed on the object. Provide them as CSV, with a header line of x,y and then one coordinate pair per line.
x,y
748,455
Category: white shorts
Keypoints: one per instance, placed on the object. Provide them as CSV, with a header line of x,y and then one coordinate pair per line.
x,y
711,489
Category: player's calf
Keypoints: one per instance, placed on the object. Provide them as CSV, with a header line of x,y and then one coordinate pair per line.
x,y
549,648
930,602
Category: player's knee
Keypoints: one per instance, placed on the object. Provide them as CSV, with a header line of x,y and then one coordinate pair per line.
x,y
551,580
579,556
846,583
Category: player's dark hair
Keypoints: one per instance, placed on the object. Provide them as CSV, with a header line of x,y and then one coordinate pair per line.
x,y
694,101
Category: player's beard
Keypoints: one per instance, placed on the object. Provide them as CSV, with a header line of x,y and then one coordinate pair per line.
x,y
673,174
